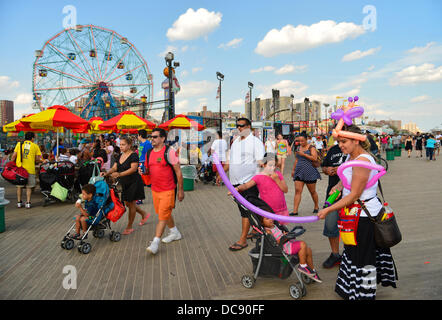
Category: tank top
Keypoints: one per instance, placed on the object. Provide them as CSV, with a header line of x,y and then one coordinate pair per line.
x,y
373,205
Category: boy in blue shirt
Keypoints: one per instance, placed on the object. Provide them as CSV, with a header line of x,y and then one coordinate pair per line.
x,y
87,213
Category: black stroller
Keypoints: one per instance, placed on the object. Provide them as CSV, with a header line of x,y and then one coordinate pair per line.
x,y
268,257
206,173
61,172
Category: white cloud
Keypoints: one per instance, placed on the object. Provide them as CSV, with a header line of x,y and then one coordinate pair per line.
x,y
358,54
289,68
237,103
420,50
292,39
426,72
266,69
197,69
197,88
23,98
231,44
7,84
194,24
182,106
285,87
420,98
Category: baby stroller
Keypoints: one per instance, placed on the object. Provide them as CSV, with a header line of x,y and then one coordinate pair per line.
x,y
61,173
268,257
99,224
86,171
206,173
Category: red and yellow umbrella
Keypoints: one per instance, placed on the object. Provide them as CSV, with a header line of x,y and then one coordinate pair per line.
x,y
53,118
181,122
92,126
18,126
127,120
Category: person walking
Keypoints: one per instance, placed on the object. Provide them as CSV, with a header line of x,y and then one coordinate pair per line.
x,y
109,148
409,145
334,158
245,157
430,143
163,166
304,173
219,146
126,170
27,157
282,150
418,139
363,263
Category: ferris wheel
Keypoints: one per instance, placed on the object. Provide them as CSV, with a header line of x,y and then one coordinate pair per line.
x,y
91,70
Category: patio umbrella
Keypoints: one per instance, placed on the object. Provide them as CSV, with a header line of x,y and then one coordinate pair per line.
x,y
181,122
92,126
126,120
55,118
18,126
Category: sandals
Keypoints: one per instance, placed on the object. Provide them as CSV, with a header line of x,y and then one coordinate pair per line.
x,y
143,221
236,246
293,214
127,231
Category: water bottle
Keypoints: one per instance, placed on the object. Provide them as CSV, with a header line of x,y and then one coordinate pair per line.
x,y
388,212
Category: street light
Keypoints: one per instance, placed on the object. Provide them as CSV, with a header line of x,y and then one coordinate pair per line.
x,y
220,77
326,116
306,110
250,100
291,107
169,58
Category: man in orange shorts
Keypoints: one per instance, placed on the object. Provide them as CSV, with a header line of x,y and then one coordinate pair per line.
x,y
164,169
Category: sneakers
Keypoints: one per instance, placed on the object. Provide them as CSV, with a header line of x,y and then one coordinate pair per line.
x,y
20,204
28,205
173,236
332,261
153,248
309,273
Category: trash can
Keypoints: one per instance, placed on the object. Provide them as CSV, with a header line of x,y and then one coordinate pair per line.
x,y
3,203
390,154
397,150
189,176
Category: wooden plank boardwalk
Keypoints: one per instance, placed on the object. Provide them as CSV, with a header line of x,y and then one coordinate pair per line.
x,y
200,266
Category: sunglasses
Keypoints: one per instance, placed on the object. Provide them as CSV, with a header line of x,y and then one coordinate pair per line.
x,y
240,125
154,137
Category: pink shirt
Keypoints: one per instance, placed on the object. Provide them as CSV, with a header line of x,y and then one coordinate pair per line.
x,y
270,192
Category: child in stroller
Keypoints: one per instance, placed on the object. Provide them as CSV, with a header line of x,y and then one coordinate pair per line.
x,y
98,203
269,259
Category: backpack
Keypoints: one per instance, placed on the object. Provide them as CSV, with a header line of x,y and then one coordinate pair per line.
x,y
166,158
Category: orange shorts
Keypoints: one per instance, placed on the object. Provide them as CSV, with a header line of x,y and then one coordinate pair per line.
x,y
163,203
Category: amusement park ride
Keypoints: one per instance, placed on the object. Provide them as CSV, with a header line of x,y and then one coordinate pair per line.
x,y
91,70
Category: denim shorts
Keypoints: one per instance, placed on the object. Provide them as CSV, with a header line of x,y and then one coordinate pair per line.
x,y
331,225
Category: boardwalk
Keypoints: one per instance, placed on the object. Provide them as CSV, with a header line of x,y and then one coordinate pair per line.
x,y
200,266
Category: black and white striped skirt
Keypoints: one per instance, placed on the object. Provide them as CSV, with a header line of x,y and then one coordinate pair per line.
x,y
364,266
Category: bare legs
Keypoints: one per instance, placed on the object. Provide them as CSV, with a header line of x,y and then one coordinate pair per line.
x,y
133,209
299,186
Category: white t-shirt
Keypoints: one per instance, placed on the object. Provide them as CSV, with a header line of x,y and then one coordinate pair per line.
x,y
270,146
243,159
220,147
374,205
73,159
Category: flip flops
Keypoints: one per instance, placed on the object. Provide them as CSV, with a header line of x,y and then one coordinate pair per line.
x,y
238,246
143,221
127,231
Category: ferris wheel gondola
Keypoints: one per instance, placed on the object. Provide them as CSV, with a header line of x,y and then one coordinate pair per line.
x,y
90,69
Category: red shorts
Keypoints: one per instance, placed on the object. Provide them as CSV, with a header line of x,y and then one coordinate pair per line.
x,y
214,166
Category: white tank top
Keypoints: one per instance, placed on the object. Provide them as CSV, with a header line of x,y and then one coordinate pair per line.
x,y
373,205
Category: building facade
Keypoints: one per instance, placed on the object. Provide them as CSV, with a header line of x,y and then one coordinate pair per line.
x,y
211,114
6,111
262,109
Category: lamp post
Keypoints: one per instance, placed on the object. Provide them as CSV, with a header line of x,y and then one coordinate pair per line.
x,y
326,116
306,110
169,58
220,77
291,106
250,100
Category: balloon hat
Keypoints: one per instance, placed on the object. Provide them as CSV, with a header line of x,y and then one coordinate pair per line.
x,y
346,116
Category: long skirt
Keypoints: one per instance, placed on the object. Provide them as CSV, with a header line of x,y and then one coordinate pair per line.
x,y
364,266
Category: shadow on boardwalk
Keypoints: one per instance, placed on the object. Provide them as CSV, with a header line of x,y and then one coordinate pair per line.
x,y
200,266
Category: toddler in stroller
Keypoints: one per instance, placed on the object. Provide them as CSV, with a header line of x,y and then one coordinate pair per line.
x,y
98,203
270,257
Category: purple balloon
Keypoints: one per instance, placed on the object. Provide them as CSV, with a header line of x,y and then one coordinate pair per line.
x,y
352,113
253,208
356,98
350,99
338,114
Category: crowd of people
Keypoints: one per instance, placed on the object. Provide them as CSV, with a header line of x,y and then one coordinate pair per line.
x,y
255,169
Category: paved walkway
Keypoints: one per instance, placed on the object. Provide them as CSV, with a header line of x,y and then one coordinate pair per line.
x,y
200,266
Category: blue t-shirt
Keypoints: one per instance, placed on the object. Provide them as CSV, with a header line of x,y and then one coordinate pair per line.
x,y
91,207
54,151
430,143
142,150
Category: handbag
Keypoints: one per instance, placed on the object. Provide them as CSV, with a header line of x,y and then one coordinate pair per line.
x,y
118,210
386,231
59,192
348,224
316,163
14,174
96,175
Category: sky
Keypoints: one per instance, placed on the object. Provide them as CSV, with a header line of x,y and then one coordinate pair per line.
x,y
388,53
